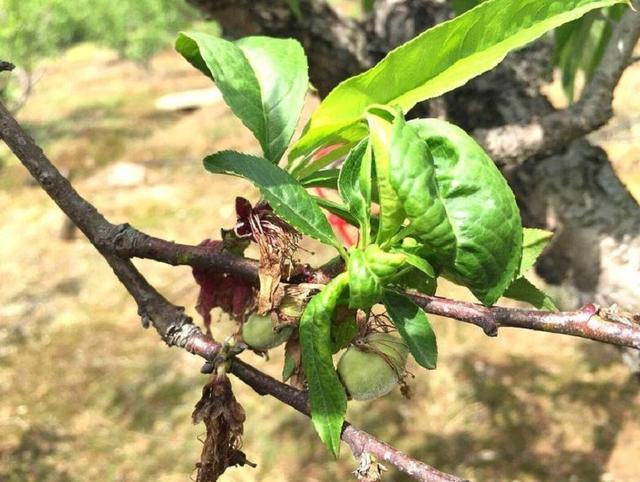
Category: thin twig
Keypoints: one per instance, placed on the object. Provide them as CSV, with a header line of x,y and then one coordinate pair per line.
x,y
584,323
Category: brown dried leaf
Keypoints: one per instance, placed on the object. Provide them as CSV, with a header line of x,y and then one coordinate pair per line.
x,y
270,273
277,242
290,301
224,419
369,469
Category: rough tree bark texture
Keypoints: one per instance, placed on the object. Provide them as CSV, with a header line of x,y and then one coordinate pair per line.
x,y
575,192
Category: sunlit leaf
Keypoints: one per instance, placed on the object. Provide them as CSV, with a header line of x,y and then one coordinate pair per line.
x,y
523,290
437,61
262,79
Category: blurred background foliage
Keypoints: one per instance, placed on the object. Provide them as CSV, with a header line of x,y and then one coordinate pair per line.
x,y
33,30
87,394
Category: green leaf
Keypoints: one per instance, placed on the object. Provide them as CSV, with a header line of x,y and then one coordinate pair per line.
x,y
523,290
264,81
285,195
367,5
335,208
570,43
300,167
419,274
459,205
417,262
342,212
533,243
414,327
343,331
354,185
327,396
415,279
369,269
384,264
294,5
391,213
289,366
579,45
437,61
327,178
461,6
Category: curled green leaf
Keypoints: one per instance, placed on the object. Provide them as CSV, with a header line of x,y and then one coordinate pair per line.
x,y
392,214
365,288
458,204
354,185
369,271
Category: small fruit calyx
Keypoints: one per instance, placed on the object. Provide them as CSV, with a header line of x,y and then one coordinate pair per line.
x,y
373,365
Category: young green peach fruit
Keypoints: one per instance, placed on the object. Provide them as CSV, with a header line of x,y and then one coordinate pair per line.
x,y
258,333
372,367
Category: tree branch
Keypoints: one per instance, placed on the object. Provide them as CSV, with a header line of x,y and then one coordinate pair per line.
x,y
585,323
175,328
512,144
588,322
130,243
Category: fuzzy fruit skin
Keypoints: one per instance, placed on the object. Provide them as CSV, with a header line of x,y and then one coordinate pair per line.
x,y
258,333
366,374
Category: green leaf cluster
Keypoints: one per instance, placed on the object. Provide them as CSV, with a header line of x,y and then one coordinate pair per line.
x,y
579,45
431,64
425,197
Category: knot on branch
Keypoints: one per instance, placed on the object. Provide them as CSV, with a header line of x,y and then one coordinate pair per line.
x,y
46,179
180,333
122,236
489,326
